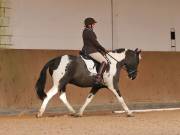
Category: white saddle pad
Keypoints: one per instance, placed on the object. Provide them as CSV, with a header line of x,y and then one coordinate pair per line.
x,y
90,65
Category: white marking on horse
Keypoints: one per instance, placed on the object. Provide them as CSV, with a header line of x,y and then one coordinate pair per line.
x,y
108,76
60,71
50,94
92,69
64,100
117,56
63,96
90,66
88,100
121,100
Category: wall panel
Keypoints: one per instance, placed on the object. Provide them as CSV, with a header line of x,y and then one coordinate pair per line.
x,y
58,24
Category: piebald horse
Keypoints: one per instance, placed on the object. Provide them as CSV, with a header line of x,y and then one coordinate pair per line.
x,y
81,72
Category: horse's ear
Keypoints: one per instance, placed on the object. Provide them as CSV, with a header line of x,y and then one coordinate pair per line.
x,y
138,50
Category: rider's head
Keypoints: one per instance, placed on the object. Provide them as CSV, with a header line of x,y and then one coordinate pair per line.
x,y
89,22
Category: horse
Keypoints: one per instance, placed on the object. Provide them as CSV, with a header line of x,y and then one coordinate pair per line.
x,y
81,71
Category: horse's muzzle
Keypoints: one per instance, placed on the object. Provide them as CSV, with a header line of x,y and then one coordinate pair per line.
x,y
134,77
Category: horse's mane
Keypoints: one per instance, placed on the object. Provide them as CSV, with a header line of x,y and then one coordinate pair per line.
x,y
118,50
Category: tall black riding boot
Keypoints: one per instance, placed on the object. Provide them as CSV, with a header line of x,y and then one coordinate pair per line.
x,y
99,76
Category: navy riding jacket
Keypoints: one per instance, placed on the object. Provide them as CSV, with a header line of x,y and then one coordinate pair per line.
x,y
91,45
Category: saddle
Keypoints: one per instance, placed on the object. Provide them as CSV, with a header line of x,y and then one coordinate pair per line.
x,y
87,57
96,64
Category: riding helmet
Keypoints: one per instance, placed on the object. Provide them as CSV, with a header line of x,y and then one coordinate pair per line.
x,y
89,21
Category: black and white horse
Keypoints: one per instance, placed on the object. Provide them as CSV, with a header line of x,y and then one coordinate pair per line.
x,y
81,72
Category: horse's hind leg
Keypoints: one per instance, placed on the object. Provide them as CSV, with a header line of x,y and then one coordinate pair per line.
x,y
63,98
50,94
88,100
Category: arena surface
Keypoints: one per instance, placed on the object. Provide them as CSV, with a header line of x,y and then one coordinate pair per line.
x,y
102,123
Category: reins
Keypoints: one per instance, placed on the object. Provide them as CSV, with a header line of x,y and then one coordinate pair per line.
x,y
112,57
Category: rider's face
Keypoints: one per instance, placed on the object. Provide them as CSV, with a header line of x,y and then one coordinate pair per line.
x,y
93,25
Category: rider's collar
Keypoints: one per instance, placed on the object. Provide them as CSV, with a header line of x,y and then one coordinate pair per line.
x,y
89,28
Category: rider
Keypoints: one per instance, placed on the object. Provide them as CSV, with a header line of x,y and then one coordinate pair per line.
x,y
93,48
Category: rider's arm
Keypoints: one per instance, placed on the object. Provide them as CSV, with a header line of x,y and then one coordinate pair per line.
x,y
93,39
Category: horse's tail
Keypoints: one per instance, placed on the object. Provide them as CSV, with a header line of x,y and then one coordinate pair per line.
x,y
40,84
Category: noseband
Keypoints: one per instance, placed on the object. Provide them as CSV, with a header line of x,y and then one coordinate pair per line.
x,y
132,72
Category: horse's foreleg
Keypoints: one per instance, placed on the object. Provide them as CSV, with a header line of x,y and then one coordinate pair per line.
x,y
65,101
50,94
121,100
88,100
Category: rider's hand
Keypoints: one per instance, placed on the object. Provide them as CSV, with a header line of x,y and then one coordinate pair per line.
x,y
102,49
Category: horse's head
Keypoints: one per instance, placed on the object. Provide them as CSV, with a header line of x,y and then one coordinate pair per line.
x,y
128,59
131,62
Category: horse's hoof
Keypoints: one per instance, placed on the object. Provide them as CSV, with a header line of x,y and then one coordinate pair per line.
x,y
77,115
72,114
130,114
39,115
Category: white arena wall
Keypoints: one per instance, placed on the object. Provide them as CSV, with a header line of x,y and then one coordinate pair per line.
x,y
58,24
146,23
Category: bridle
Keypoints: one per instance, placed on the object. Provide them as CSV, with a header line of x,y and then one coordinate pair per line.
x,y
132,72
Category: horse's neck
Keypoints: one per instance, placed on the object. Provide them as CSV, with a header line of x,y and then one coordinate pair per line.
x,y
115,56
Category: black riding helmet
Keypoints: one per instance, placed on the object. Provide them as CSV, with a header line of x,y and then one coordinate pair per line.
x,y
89,21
